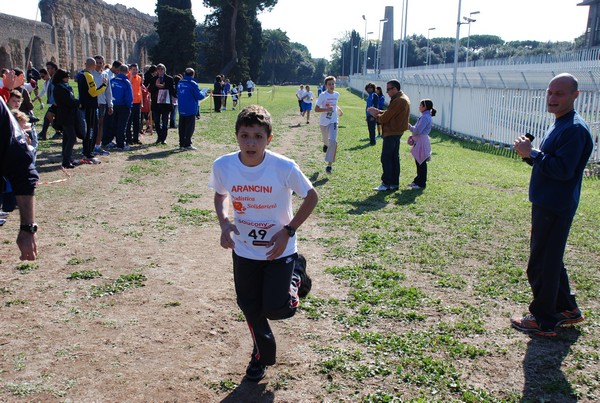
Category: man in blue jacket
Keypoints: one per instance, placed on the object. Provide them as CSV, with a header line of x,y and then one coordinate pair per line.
x,y
122,103
554,192
188,96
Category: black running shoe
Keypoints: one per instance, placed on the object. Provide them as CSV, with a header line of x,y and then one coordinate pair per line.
x,y
255,371
305,280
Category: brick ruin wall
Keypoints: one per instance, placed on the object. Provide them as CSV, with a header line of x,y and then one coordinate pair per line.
x,y
73,30
15,46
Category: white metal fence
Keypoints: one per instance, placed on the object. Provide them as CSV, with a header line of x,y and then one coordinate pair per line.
x,y
497,103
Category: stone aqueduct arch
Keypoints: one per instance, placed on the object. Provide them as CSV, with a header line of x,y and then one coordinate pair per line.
x,y
112,31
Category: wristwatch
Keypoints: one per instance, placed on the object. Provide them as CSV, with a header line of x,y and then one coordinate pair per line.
x,y
31,228
533,154
291,230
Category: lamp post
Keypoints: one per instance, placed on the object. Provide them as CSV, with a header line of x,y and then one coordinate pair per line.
x,y
351,55
357,55
377,61
469,21
367,44
365,58
428,46
454,70
403,44
342,59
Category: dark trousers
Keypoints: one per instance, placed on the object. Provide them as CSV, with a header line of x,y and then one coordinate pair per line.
x,y
161,122
91,125
133,126
300,105
119,120
68,141
107,128
371,124
263,292
217,101
421,178
187,125
390,161
546,271
173,118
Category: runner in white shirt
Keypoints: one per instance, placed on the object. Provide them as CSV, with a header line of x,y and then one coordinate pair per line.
x,y
327,105
260,184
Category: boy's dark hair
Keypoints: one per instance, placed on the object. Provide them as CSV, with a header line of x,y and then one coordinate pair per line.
x,y
116,64
254,115
370,85
52,64
43,71
16,94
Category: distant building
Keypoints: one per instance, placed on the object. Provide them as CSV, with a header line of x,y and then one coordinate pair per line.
x,y
73,30
593,24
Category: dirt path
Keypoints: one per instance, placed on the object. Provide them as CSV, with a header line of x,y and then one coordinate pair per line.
x,y
180,337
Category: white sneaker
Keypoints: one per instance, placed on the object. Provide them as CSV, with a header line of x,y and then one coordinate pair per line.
x,y
415,187
382,188
191,148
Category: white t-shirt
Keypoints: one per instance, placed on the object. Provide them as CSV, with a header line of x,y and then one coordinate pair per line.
x,y
300,94
307,97
261,197
325,100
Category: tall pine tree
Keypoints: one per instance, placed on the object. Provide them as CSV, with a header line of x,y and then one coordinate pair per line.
x,y
177,46
233,42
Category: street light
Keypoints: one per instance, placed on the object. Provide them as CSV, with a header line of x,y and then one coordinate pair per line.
x,y
428,47
357,55
367,44
377,61
365,58
351,54
469,21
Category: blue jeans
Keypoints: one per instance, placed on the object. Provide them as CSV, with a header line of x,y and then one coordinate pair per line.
x,y
371,124
390,161
546,270
119,119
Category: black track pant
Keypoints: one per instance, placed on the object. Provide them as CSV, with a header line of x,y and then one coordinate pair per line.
x,y
263,293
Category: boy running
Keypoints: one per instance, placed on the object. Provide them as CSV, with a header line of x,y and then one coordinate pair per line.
x,y
260,184
327,105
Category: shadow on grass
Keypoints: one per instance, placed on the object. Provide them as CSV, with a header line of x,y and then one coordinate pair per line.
x,y
544,379
159,153
316,182
379,200
362,146
249,392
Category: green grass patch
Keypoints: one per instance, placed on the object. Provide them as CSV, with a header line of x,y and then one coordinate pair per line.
x,y
123,283
84,275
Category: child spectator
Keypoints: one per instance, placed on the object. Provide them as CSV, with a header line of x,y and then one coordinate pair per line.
x,y
372,100
421,146
381,106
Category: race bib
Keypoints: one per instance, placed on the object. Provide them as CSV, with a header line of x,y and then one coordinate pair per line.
x,y
256,233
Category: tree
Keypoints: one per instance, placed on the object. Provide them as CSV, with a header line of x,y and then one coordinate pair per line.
x,y
276,49
230,11
176,47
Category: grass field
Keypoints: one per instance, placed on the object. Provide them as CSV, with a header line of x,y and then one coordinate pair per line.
x,y
435,275
427,279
